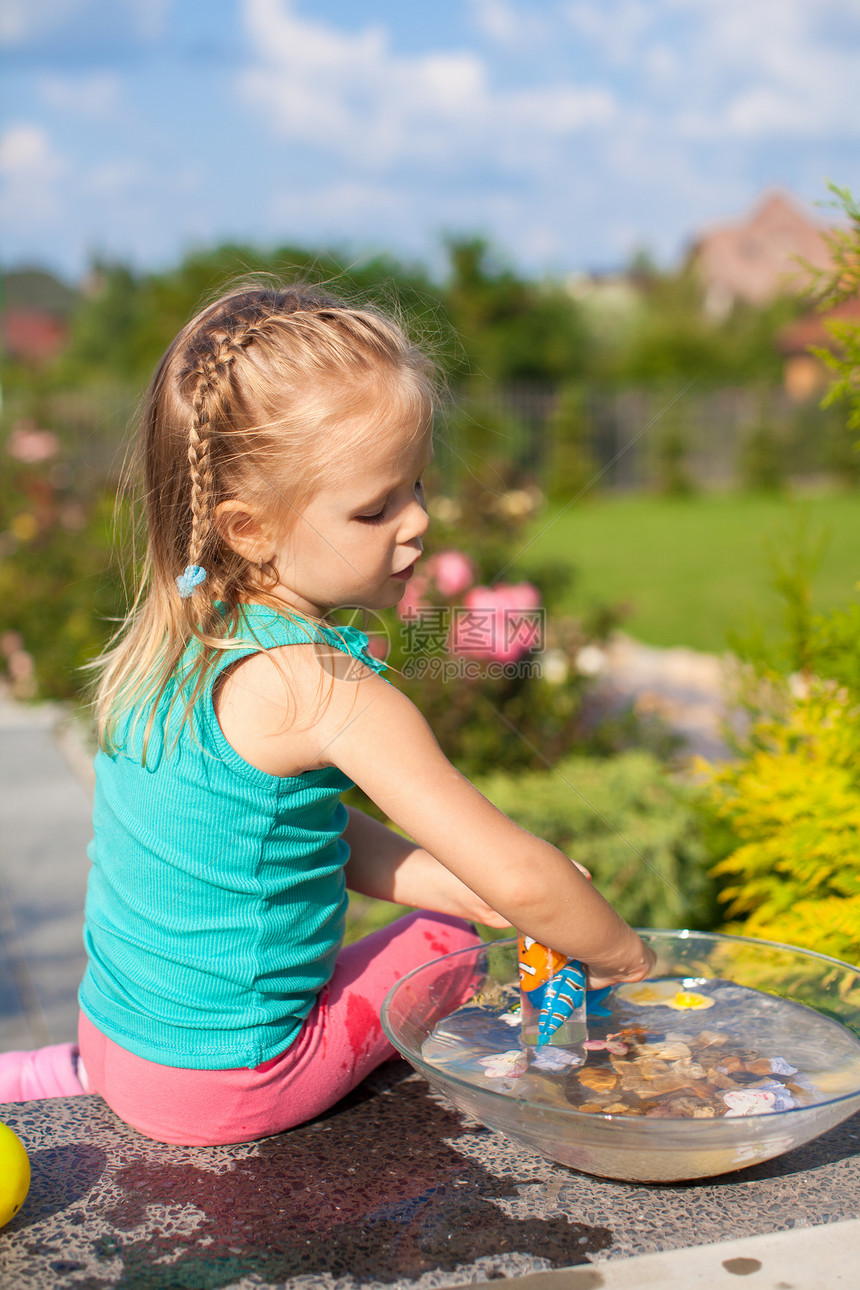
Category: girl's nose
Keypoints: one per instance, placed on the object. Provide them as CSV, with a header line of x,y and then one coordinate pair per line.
x,y
417,521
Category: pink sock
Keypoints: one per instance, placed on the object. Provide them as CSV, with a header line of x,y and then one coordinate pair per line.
x,y
43,1072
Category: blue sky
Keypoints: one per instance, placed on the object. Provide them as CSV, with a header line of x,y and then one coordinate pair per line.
x,y
570,133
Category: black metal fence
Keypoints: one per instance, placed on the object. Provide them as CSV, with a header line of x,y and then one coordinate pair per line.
x,y
671,437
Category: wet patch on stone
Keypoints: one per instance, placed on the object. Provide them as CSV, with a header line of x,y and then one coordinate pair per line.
x,y
342,1196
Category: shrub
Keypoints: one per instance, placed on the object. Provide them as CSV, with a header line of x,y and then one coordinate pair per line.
x,y
625,819
837,284
61,589
793,804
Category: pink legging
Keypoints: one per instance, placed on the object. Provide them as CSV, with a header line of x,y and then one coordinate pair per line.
x,y
340,1042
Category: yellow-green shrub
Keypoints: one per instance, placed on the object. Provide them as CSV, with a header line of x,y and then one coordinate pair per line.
x,y
794,805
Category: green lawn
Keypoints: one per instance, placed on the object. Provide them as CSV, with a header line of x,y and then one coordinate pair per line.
x,y
690,570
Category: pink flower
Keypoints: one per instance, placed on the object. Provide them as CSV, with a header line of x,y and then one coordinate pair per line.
x,y
548,1058
11,643
29,444
509,1065
452,571
748,1101
501,623
378,645
614,1046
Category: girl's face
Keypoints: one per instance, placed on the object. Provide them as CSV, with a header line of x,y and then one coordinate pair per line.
x,y
357,540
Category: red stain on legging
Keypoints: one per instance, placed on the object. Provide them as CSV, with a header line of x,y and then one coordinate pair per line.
x,y
438,947
362,1025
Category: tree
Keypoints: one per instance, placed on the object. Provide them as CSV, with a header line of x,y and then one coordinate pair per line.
x,y
835,286
511,329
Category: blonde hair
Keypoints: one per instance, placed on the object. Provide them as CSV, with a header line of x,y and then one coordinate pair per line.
x,y
255,398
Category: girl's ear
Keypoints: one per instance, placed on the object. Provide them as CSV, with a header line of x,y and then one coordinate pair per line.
x,y
238,525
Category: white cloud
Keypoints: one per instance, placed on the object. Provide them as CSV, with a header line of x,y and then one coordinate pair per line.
x,y
616,29
353,96
668,128
115,178
720,70
754,69
25,149
23,22
149,16
30,172
505,25
795,82
327,204
95,96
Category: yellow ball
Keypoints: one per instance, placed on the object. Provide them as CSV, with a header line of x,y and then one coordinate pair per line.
x,y
14,1174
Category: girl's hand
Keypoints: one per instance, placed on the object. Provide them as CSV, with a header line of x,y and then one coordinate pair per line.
x,y
598,977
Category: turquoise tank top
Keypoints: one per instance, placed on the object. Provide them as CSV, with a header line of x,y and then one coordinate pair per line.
x,y
216,899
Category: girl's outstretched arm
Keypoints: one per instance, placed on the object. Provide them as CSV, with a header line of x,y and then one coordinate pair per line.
x,y
390,867
377,737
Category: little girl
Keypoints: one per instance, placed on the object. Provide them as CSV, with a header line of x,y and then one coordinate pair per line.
x,y
283,441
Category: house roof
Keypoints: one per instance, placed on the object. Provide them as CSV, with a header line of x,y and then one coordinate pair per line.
x,y
812,328
763,256
32,335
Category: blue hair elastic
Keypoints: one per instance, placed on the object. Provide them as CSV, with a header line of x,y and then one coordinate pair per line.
x,y
192,577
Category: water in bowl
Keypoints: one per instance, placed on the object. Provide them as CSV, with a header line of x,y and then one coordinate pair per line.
x,y
671,1048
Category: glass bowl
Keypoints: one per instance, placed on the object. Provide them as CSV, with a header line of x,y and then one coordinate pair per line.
x,y
822,992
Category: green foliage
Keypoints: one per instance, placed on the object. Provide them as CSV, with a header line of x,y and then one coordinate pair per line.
x,y
636,830
572,464
674,339
485,320
366,915
109,329
479,448
762,461
512,722
61,590
792,798
794,807
838,283
512,716
126,320
807,643
511,329
846,363
835,647
671,447
793,560
517,715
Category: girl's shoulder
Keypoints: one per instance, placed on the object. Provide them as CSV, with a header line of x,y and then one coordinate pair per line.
x,y
268,698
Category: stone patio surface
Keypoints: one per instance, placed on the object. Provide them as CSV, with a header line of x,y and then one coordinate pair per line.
x,y
390,1189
